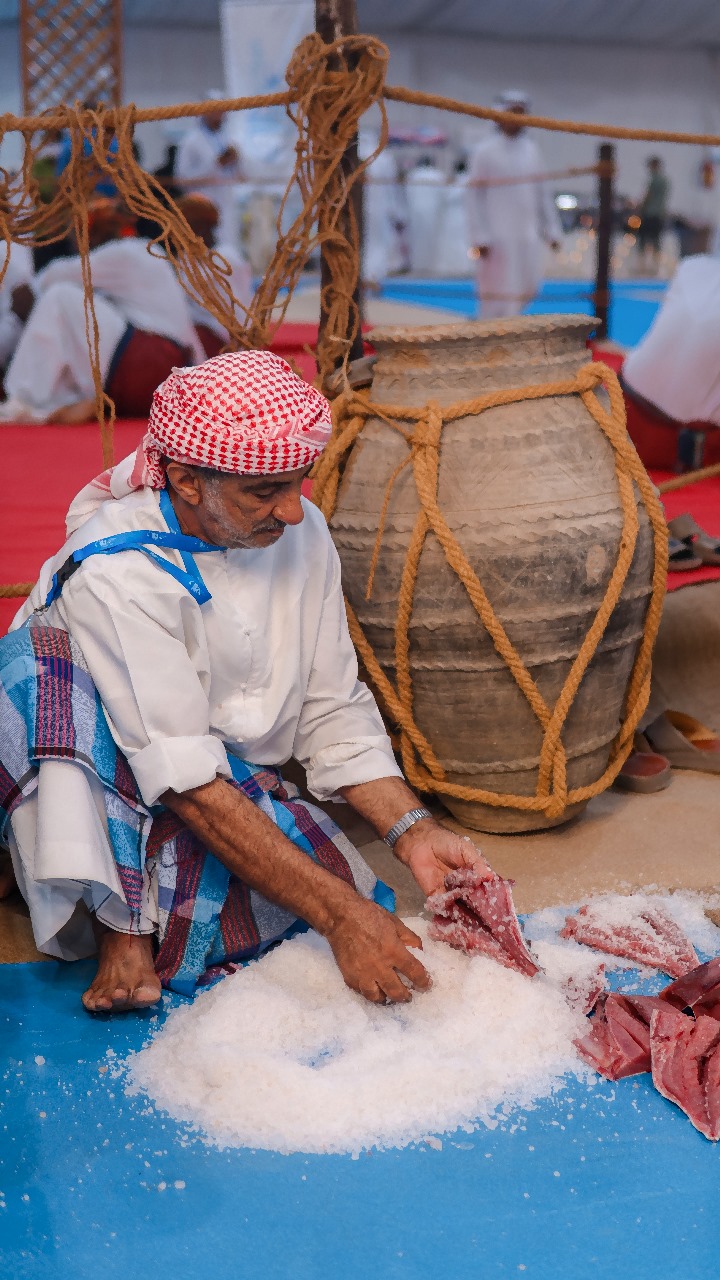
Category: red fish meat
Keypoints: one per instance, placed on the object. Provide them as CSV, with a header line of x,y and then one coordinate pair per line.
x,y
475,914
618,1042
652,938
685,1056
698,990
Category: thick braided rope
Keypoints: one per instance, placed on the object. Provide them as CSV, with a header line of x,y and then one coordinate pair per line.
x,y
552,794
399,93
690,477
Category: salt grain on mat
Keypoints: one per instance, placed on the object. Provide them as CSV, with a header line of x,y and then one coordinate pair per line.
x,y
282,1056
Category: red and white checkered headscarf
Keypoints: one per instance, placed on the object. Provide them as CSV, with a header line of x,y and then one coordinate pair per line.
x,y
245,413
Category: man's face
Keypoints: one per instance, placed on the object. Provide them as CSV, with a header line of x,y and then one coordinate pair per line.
x,y
238,511
512,130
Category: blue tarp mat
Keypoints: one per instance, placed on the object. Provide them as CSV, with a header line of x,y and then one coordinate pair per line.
x,y
602,1182
633,304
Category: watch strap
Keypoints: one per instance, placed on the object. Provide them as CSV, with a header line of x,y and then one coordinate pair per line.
x,y
404,824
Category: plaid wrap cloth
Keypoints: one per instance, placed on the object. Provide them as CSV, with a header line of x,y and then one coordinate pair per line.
x,y
208,919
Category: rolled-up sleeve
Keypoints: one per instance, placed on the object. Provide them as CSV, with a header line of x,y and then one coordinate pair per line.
x,y
340,738
151,671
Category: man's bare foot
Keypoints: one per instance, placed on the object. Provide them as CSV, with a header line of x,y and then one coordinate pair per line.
x,y
126,977
73,414
8,883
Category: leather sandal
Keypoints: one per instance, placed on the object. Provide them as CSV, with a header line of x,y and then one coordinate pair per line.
x,y
681,555
644,771
703,545
685,742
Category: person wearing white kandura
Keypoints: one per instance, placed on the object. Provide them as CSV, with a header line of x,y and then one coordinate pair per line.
x,y
510,220
14,288
187,640
381,212
209,163
425,195
143,321
201,215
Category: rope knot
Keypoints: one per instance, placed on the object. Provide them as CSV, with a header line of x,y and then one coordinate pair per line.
x,y
428,429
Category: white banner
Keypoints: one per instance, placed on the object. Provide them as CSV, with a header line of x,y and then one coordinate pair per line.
x,y
257,41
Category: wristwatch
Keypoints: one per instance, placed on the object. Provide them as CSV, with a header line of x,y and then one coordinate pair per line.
x,y
404,824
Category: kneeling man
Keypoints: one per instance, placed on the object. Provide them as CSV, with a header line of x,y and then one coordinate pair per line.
x,y
187,640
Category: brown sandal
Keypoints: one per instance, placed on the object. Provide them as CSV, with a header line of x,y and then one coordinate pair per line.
x,y
644,771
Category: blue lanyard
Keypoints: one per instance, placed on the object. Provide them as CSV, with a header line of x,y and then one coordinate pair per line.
x,y
137,540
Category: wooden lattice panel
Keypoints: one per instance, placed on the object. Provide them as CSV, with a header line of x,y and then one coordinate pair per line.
x,y
71,50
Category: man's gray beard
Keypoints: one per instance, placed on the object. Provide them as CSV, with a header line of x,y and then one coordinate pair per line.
x,y
212,500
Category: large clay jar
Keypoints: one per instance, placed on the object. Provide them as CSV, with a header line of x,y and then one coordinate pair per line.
x,y
530,492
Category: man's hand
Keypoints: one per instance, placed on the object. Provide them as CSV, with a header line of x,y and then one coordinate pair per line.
x,y
430,851
371,951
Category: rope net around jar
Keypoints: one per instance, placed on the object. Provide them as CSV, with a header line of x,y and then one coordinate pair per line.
x,y
423,436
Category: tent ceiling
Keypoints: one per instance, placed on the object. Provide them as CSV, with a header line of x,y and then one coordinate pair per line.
x,y
669,24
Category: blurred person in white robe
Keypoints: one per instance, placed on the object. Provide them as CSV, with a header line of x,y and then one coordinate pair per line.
x,y
15,303
202,216
674,372
425,195
513,221
143,323
208,162
453,256
381,212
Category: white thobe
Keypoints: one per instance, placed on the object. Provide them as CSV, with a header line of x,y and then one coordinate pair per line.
x,y
513,220
676,366
19,270
380,215
425,198
266,670
51,365
240,282
452,258
197,169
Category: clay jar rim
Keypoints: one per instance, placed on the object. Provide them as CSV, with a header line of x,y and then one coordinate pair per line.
x,y
513,327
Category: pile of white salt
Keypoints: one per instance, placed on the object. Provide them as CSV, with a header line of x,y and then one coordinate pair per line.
x,y
282,1056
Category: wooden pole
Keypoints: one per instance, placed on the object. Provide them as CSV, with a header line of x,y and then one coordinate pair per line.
x,y
334,19
606,177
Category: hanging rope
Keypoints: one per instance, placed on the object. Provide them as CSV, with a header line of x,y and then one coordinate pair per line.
x,y
424,441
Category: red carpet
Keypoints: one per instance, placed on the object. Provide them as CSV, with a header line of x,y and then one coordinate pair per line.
x,y
44,467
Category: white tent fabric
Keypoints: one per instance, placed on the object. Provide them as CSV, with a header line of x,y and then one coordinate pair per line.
x,y
692,24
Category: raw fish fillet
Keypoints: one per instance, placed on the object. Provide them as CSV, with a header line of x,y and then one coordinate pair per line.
x,y
698,991
652,939
618,1042
686,1065
476,915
